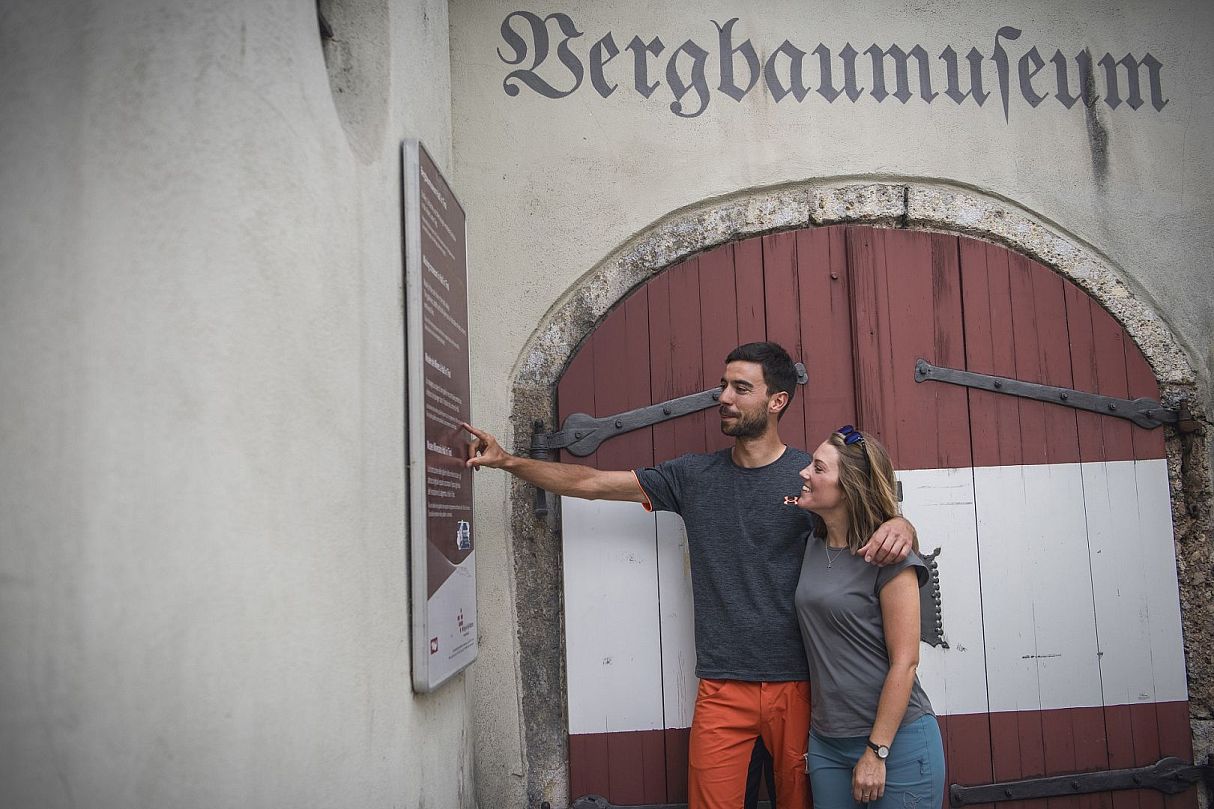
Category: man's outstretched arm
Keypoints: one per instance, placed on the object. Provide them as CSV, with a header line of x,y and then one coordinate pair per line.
x,y
570,480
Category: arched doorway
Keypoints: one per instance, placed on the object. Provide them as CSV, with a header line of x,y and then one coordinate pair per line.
x,y
1060,602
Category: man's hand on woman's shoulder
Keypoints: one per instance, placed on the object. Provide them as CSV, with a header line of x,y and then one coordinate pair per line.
x,y
891,542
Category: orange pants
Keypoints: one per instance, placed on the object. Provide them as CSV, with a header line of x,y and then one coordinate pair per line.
x,y
729,714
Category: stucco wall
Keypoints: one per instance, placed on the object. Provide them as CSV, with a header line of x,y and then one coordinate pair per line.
x,y
556,186
203,594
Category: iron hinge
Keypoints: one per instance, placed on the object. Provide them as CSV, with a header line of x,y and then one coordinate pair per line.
x,y
1168,775
1144,412
581,434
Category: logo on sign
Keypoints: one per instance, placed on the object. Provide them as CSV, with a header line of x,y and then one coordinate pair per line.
x,y
433,646
463,536
465,627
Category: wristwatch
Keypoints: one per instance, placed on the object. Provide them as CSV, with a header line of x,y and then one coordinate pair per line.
x,y
881,750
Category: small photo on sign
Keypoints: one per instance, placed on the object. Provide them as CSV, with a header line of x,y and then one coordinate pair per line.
x,y
463,536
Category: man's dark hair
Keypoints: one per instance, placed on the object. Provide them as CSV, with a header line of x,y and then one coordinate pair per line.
x,y
779,371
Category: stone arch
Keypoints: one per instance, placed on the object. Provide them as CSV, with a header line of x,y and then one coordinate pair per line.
x,y
534,538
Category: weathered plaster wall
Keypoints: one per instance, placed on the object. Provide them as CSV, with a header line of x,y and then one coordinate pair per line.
x,y
203,598
556,188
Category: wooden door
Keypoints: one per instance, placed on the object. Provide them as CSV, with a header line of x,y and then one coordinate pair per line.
x,y
1059,596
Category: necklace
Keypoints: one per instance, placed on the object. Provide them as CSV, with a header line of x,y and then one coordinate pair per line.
x,y
830,560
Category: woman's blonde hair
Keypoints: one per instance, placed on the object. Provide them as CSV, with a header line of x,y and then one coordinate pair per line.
x,y
866,477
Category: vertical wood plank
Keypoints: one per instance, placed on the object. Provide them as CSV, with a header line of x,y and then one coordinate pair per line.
x,y
679,680
984,285
1083,371
950,443
588,774
719,315
829,398
1026,337
783,316
621,380
1145,729
1005,751
1059,745
1091,750
1109,351
1049,308
1140,381
864,253
625,769
661,362
1032,750
967,749
639,376
686,353
1121,751
575,394
1176,739
748,286
653,761
678,743
994,418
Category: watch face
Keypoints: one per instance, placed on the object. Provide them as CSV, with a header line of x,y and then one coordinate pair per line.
x,y
882,752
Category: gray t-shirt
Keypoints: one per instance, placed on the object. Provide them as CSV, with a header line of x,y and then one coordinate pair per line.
x,y
746,549
840,616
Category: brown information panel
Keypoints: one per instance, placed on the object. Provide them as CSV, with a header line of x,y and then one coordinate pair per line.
x,y
442,558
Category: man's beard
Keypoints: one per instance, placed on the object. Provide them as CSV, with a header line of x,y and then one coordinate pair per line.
x,y
747,425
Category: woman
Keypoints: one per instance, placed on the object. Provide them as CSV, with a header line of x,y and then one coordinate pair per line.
x,y
874,738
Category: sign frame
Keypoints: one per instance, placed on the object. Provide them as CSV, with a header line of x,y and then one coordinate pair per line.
x,y
443,624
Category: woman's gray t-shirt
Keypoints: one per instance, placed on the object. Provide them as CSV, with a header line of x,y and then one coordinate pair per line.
x,y
839,611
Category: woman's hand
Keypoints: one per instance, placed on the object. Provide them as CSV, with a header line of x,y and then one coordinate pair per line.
x,y
868,778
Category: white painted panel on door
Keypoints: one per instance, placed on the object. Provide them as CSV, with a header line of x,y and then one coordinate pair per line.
x,y
1163,599
1134,577
678,628
612,643
940,503
1038,613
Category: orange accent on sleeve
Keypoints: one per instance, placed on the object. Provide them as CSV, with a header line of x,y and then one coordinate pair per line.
x,y
648,506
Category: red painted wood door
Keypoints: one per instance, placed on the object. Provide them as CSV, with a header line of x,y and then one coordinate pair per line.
x,y
1059,591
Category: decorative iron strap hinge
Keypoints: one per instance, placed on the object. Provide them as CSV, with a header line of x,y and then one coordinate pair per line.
x,y
581,434
1168,775
931,607
1144,412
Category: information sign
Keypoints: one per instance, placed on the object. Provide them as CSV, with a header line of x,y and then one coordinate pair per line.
x,y
441,529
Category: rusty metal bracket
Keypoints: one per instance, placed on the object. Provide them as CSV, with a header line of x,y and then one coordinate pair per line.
x,y
581,434
1146,413
1168,775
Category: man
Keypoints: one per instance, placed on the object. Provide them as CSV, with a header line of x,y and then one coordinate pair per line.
x,y
746,549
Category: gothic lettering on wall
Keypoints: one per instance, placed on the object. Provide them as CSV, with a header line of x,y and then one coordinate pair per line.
x,y
553,58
